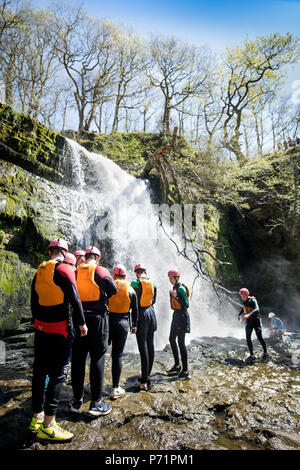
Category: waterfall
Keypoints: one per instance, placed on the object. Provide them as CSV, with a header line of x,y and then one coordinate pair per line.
x,y
112,210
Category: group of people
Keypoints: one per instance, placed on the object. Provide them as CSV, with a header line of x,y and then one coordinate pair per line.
x,y
78,308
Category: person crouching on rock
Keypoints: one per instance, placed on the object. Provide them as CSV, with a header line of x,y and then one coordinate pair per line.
x,y
251,315
179,299
147,325
95,286
123,313
53,293
276,331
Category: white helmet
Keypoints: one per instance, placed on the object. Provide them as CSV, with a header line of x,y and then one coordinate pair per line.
x,y
271,315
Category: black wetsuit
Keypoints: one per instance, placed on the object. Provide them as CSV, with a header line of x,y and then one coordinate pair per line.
x,y
118,331
96,341
179,327
52,350
146,327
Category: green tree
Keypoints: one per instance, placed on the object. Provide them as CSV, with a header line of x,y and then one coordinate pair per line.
x,y
252,70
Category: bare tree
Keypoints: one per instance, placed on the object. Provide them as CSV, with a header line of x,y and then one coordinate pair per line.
x,y
14,15
36,63
178,70
85,48
131,62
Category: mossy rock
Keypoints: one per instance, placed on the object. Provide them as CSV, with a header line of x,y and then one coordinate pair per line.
x,y
15,288
218,236
29,144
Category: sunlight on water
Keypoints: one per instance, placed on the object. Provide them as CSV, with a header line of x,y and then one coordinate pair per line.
x,y
109,203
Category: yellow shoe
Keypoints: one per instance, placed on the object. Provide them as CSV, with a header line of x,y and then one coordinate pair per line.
x,y
54,433
35,424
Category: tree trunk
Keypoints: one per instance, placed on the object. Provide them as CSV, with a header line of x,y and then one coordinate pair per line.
x,y
166,117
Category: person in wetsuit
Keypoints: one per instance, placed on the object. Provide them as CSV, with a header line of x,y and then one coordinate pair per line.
x,y
147,325
179,300
251,315
123,315
277,327
95,286
56,309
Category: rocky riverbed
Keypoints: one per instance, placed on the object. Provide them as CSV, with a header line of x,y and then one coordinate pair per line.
x,y
228,404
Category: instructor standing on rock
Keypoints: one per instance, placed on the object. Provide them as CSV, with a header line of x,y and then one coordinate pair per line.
x,y
179,300
251,315
53,293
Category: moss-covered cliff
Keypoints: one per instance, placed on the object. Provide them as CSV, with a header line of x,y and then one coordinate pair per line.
x,y
28,144
28,152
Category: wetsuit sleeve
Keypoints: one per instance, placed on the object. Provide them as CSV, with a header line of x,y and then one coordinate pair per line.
x,y
133,307
34,300
182,297
137,286
64,277
184,301
105,281
154,296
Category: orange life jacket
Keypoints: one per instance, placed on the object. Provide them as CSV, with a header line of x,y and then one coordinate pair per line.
x,y
48,292
175,305
147,292
49,295
120,302
248,309
87,288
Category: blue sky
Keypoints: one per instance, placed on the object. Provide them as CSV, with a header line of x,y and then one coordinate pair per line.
x,y
216,23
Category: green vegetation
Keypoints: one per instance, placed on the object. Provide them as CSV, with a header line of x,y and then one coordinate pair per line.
x,y
28,144
15,284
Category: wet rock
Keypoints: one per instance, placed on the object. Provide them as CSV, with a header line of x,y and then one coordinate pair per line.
x,y
227,404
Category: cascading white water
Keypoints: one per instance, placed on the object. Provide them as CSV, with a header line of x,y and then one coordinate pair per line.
x,y
108,203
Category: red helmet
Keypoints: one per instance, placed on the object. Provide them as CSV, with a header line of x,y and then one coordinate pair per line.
x,y
79,253
139,267
119,270
173,273
70,259
244,291
92,250
58,243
